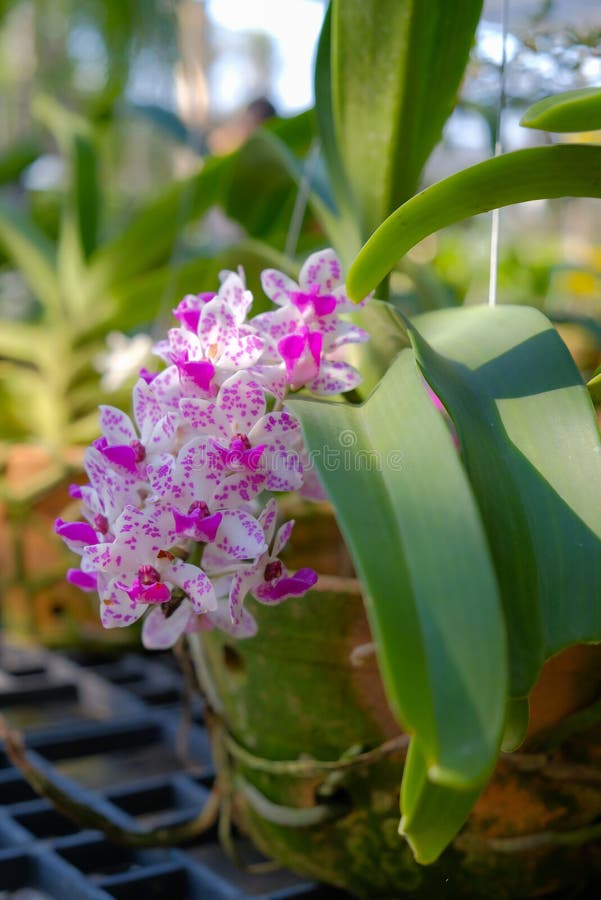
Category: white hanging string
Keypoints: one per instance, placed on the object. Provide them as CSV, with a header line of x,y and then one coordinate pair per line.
x,y
494,234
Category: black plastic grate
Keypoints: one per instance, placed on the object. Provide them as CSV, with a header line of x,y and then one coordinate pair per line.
x,y
112,728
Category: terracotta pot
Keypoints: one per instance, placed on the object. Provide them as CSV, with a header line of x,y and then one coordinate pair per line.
x,y
307,688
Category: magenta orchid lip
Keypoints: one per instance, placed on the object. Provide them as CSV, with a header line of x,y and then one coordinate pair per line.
x,y
177,526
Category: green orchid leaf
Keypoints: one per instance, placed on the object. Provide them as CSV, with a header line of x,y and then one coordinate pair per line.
x,y
561,171
387,337
414,531
531,446
432,814
324,112
30,251
396,70
568,112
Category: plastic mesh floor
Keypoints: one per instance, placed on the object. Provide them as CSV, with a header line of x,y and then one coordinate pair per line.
x,y
112,728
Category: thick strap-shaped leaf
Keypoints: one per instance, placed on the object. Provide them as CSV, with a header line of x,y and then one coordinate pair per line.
x,y
568,112
407,512
396,69
569,170
532,449
432,814
330,149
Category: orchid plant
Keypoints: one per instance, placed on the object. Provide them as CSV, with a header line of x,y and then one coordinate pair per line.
x,y
479,560
174,531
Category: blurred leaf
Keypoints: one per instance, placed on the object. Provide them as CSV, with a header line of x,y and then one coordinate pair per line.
x,y
340,231
561,171
171,125
152,232
32,253
144,298
531,446
396,70
17,157
416,538
432,814
568,112
24,343
81,199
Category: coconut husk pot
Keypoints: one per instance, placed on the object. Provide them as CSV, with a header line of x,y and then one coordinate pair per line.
x,y
312,757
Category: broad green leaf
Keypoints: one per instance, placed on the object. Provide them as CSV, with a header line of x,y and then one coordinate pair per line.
x,y
388,336
31,252
568,112
531,446
396,70
432,814
562,171
411,523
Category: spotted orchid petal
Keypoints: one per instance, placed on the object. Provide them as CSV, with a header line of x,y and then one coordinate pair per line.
x,y
161,631
242,584
233,292
240,536
287,586
277,286
116,426
244,627
239,489
335,377
194,583
282,537
268,518
323,269
197,526
76,535
83,580
117,609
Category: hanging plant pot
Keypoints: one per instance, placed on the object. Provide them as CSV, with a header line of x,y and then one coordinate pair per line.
x,y
314,758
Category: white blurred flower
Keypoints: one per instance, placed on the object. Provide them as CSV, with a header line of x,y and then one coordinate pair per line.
x,y
122,359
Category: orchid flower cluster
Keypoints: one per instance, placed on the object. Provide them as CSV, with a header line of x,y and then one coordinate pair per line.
x,y
176,525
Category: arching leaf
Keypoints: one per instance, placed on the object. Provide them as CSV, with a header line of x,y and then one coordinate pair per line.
x,y
568,112
563,171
